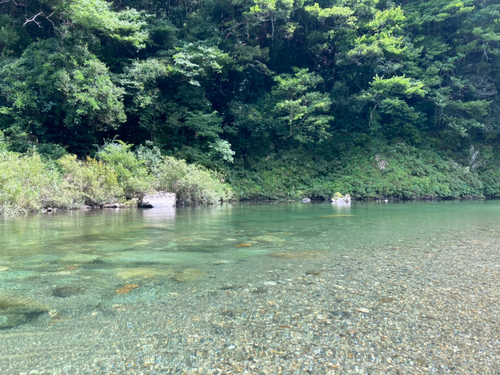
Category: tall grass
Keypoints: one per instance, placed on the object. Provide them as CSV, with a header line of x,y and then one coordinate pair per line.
x,y
192,184
90,182
29,184
131,173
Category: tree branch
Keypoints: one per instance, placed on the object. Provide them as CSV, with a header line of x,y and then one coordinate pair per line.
x,y
15,3
42,14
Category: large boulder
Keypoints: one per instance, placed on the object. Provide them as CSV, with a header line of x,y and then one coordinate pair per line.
x,y
160,199
14,312
341,199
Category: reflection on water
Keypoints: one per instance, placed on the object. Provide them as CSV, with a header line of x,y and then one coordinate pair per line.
x,y
78,259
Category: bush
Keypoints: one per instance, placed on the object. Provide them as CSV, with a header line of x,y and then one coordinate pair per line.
x,y
491,182
27,185
151,156
92,182
287,177
191,183
397,171
3,142
131,173
405,172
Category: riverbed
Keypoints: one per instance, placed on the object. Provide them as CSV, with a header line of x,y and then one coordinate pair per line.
x,y
256,288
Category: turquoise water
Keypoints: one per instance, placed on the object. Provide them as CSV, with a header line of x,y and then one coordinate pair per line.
x,y
78,259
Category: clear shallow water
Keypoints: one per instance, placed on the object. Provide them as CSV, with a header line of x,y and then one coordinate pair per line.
x,y
75,261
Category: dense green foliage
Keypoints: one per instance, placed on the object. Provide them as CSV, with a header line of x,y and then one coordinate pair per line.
x,y
192,184
284,98
29,184
398,171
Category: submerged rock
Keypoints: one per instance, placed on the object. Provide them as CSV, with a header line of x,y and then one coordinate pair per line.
x,y
142,272
313,273
14,312
66,291
127,288
385,300
79,258
189,274
298,254
244,245
259,290
268,239
145,257
363,310
220,262
336,216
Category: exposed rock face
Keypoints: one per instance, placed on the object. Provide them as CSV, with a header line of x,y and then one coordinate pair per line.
x,y
13,312
160,199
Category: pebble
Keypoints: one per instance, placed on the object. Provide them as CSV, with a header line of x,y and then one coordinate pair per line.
x,y
270,283
363,310
357,312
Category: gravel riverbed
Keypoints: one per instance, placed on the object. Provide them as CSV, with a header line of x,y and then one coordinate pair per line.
x,y
420,307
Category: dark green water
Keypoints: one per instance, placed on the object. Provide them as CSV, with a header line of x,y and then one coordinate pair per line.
x,y
80,259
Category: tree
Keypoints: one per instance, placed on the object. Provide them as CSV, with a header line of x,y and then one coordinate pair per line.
x,y
60,94
302,114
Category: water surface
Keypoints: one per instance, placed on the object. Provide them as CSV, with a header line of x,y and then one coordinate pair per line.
x,y
76,261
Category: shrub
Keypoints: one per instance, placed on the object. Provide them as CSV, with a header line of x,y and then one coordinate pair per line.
x,y
3,142
150,155
491,182
398,171
91,182
131,173
286,177
405,172
192,184
27,185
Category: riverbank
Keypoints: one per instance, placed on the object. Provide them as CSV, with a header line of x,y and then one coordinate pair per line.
x,y
31,183
398,171
428,304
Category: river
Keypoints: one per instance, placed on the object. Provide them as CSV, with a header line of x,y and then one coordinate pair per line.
x,y
83,266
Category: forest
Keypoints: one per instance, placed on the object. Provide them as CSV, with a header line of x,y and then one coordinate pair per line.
x,y
256,99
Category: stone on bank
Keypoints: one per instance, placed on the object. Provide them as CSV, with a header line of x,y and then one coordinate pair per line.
x,y
160,199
